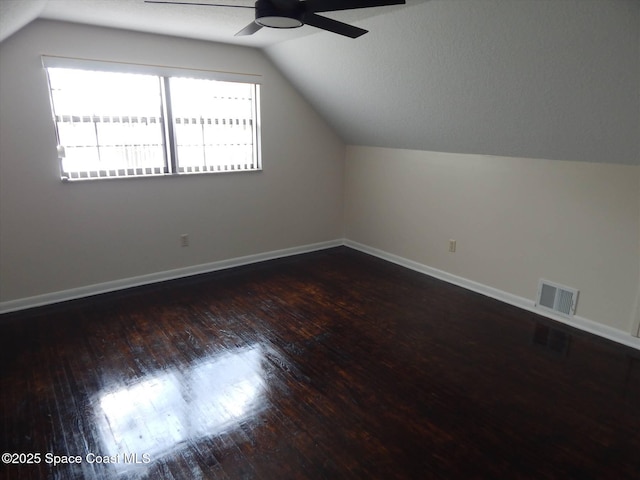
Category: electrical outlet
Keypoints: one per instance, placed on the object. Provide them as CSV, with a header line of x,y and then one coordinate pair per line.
x,y
452,246
184,240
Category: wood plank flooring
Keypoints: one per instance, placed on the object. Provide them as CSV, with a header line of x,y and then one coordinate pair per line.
x,y
328,365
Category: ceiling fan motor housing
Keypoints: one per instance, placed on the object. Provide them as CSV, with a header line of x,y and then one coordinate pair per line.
x,y
269,16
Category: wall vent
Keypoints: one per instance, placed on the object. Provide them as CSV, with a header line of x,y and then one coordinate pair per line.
x,y
557,298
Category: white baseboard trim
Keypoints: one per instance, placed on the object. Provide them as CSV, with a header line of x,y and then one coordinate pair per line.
x,y
89,290
578,322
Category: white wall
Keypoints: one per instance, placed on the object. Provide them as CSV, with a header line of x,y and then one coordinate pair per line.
x,y
56,236
515,220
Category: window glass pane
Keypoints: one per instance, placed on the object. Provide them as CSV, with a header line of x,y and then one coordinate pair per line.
x,y
108,123
214,125
112,124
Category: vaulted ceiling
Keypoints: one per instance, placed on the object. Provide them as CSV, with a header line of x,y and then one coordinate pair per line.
x,y
529,78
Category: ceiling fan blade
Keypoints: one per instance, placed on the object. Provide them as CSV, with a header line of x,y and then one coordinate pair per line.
x,y
250,29
333,25
199,4
335,5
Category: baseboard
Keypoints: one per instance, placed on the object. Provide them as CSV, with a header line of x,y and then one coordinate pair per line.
x,y
87,291
578,322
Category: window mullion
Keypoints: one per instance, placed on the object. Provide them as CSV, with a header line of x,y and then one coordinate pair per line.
x,y
95,131
171,149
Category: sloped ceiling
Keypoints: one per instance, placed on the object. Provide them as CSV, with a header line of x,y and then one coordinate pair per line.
x,y
528,78
542,79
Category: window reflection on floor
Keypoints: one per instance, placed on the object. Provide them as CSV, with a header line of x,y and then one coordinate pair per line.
x,y
155,415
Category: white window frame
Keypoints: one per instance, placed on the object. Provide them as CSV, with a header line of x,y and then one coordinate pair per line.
x,y
172,166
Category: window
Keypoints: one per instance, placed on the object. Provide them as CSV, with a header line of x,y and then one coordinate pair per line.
x,y
138,122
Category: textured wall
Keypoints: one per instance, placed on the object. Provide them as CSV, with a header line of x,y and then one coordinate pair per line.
x,y
515,220
56,236
527,78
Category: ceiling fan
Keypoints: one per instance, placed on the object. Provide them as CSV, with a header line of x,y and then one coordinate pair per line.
x,y
295,13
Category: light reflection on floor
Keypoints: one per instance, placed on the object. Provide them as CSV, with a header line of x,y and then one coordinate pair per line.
x,y
157,414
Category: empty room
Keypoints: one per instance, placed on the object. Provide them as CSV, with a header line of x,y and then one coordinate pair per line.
x,y
320,239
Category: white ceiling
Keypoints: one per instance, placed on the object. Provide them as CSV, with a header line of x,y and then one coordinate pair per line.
x,y
529,78
555,79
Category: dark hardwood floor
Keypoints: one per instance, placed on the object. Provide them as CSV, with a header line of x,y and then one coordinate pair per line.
x,y
326,365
